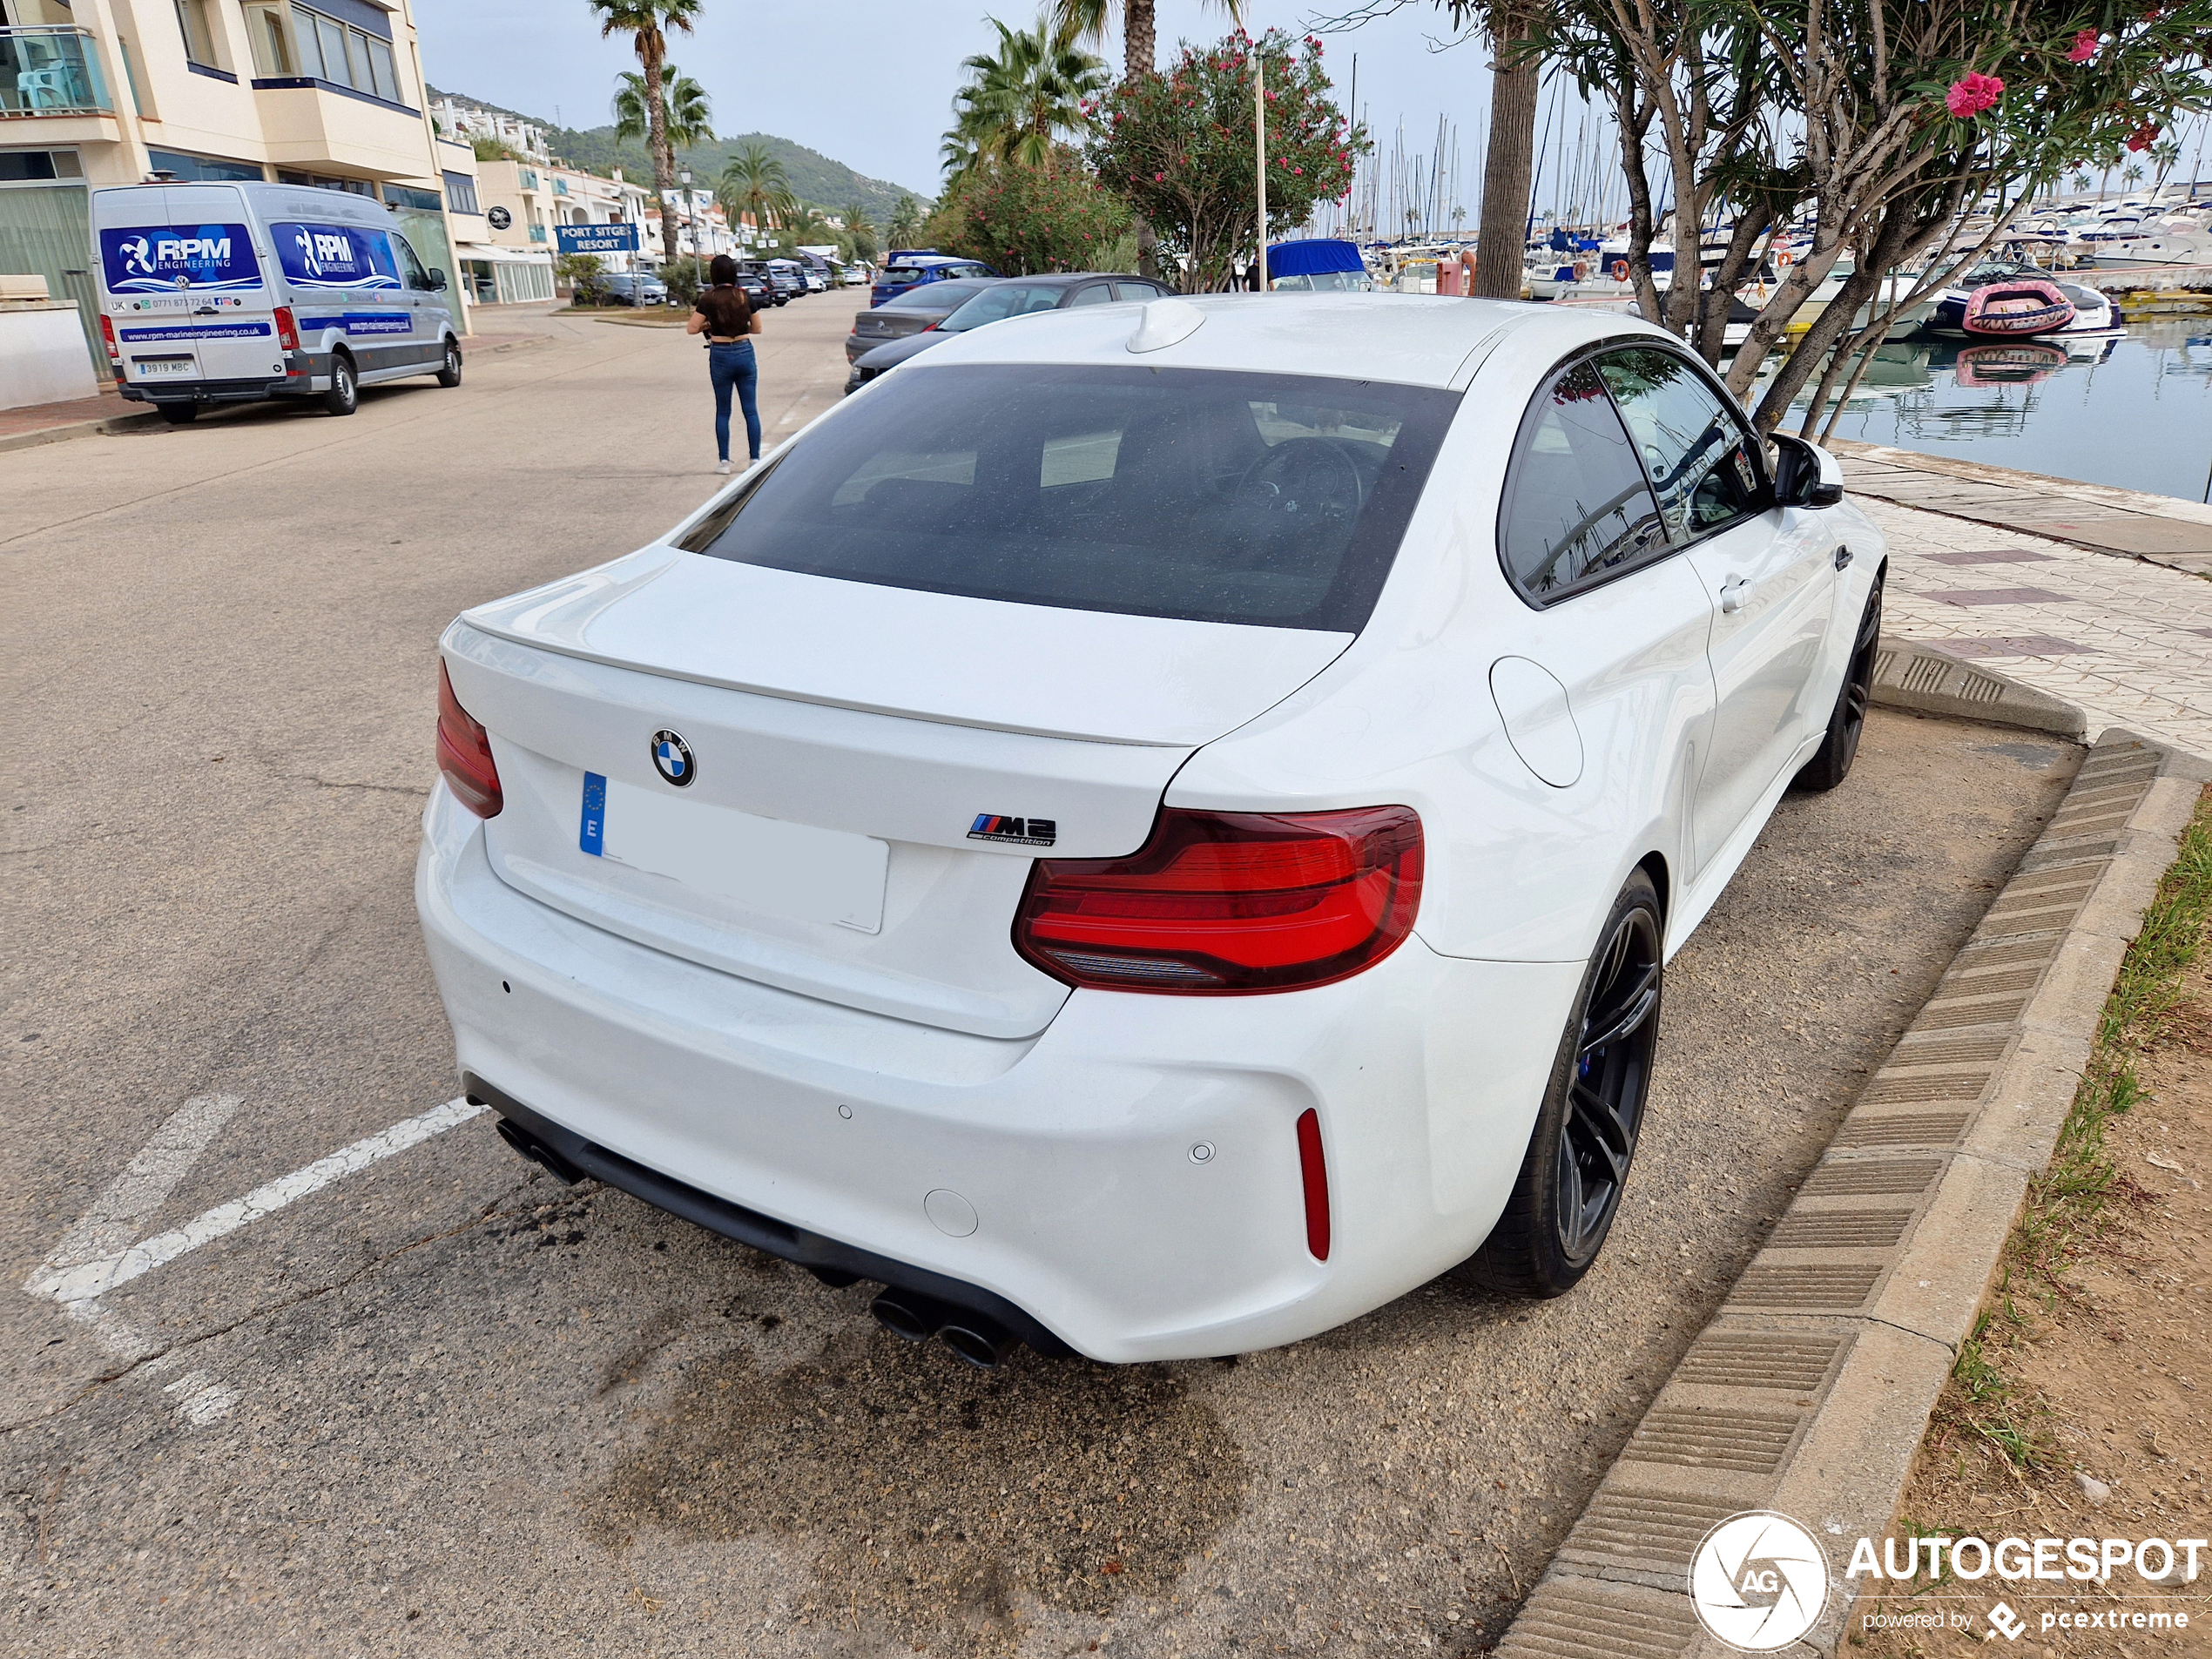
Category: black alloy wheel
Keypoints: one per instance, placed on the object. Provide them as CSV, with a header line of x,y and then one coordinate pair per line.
x,y
1576,1166
1607,1088
1832,762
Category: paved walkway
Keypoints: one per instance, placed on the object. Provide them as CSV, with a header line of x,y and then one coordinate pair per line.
x,y
2162,529
2128,641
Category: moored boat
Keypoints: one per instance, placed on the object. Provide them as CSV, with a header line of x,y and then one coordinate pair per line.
x,y
2016,308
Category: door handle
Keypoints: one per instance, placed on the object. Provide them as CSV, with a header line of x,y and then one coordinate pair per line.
x,y
1732,592
1842,557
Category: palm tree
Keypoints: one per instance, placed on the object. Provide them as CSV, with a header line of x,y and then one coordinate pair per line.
x,y
905,222
1076,20
686,112
2165,152
1019,101
646,21
755,186
859,232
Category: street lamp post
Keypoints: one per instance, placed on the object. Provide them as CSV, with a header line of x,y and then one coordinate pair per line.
x,y
691,202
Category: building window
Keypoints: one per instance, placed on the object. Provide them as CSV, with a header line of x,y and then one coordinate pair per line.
x,y
202,169
321,48
410,196
460,193
272,56
528,178
35,166
199,39
537,232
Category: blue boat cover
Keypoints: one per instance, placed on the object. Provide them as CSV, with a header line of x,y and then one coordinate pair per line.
x,y
1311,257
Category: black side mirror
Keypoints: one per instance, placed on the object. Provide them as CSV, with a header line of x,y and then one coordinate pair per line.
x,y
1804,473
437,280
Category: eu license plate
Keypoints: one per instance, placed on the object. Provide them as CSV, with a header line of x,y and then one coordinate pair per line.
x,y
765,864
148,367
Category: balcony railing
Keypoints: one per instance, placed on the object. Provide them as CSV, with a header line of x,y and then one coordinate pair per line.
x,y
49,71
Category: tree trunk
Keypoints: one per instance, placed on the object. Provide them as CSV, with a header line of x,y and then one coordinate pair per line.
x,y
1139,47
1508,171
656,140
1140,43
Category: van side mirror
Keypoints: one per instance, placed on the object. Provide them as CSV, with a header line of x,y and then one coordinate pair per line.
x,y
437,280
1804,473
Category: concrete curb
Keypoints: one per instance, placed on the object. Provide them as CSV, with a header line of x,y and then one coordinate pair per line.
x,y
80,429
111,423
1810,1391
1928,680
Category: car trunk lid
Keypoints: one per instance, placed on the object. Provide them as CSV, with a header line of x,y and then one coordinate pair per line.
x,y
862,774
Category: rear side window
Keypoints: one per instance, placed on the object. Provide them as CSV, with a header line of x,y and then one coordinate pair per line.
x,y
1004,300
1210,494
1696,452
334,256
1577,507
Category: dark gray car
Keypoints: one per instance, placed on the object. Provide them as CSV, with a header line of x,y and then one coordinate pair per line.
x,y
910,312
1008,297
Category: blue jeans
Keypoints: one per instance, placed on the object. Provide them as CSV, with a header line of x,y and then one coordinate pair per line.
x,y
732,365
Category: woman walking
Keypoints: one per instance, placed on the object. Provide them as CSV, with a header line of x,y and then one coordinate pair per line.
x,y
726,320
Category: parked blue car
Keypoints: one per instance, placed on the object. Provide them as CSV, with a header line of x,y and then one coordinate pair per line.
x,y
909,270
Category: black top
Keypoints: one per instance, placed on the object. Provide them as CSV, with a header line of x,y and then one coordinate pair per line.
x,y
728,314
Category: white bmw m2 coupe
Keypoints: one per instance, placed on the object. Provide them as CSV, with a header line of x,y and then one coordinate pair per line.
x,y
1150,831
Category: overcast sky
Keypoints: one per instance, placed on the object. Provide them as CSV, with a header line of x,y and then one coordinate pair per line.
x,y
870,82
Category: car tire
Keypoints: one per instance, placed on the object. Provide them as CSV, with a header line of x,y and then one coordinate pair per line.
x,y
1832,762
450,373
344,396
179,414
1568,1190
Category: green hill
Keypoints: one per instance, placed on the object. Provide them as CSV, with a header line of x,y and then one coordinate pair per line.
x,y
816,179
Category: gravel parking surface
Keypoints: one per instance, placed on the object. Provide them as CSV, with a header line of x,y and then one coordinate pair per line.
x,y
445,1405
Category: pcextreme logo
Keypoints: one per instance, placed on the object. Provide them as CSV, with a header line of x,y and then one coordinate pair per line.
x,y
1758,1581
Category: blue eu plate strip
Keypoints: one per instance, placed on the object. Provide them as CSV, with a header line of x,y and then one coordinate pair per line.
x,y
592,837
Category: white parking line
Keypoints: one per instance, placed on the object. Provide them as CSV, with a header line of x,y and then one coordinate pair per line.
x,y
146,1182
86,1281
97,1254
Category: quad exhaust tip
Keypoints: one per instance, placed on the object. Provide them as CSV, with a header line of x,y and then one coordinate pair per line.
x,y
974,1338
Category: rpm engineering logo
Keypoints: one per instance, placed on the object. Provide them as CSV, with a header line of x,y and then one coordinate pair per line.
x,y
1758,1581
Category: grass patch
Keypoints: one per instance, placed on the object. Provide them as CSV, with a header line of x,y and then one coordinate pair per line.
x,y
2075,1202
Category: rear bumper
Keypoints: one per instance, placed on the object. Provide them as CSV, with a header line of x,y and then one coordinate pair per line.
x,y
247,391
1130,1177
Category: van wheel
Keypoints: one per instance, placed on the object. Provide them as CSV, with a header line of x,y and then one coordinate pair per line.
x,y
450,374
1570,1187
179,414
344,396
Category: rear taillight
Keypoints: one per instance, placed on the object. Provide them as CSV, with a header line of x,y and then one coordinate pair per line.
x,y
107,334
1219,902
288,329
464,753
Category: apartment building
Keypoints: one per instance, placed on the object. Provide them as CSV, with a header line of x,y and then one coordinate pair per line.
x,y
97,93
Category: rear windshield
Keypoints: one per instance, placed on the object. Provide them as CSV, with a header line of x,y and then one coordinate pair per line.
x,y
1003,299
1215,496
933,296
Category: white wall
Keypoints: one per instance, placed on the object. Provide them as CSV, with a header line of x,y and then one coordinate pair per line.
x,y
42,356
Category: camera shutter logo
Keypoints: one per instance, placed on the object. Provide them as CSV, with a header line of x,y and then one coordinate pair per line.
x,y
672,759
1758,1581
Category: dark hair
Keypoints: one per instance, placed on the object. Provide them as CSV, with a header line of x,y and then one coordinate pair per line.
x,y
723,269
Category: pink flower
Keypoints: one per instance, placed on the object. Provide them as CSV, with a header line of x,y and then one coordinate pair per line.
x,y
1158,176
1973,94
2142,137
2085,47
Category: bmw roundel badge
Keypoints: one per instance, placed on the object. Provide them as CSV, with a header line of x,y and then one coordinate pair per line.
x,y
672,759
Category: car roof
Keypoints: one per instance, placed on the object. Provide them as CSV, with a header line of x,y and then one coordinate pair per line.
x,y
1415,340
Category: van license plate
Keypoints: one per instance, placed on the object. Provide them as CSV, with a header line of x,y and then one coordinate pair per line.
x,y
150,367
767,865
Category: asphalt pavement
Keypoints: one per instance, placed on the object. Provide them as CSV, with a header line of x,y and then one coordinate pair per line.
x,y
365,1382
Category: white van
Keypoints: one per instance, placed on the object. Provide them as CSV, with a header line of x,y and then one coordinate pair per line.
x,y
222,293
